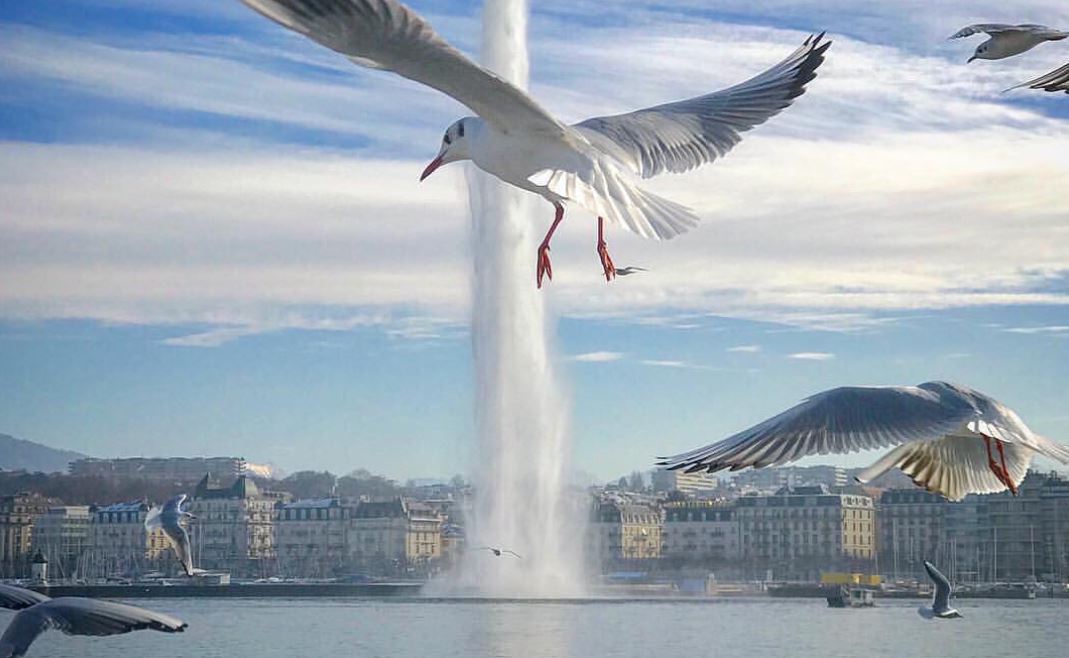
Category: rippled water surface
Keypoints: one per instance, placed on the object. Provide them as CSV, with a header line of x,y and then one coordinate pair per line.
x,y
589,629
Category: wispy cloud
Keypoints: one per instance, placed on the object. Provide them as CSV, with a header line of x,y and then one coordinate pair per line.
x,y
747,349
1055,330
812,356
597,357
682,365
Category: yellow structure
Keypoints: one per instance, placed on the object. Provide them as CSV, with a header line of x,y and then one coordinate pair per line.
x,y
840,578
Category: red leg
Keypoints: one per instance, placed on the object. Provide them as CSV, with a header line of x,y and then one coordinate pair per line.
x,y
544,266
1005,471
603,252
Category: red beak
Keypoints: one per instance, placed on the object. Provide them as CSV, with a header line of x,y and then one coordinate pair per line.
x,y
435,163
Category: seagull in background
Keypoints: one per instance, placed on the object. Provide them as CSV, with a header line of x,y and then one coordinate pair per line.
x,y
1008,40
594,164
631,269
1055,81
499,551
74,616
940,608
169,519
945,437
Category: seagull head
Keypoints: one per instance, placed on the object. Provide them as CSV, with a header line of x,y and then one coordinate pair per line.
x,y
456,145
983,51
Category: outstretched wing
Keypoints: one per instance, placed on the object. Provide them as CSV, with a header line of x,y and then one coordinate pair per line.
x,y
78,616
1041,31
513,553
841,420
174,505
953,466
680,136
385,34
18,598
154,519
941,600
1055,81
22,631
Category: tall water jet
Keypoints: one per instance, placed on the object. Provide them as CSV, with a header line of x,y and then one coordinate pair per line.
x,y
521,415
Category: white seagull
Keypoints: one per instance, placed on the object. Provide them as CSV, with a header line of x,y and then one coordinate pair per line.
x,y
1055,81
1008,40
946,437
169,519
629,270
73,616
940,608
594,164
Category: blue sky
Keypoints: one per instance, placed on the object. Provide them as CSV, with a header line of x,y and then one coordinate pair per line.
x,y
213,240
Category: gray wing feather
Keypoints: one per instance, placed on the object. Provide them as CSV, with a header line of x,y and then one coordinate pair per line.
x,y
841,420
19,598
78,616
941,600
180,542
22,631
677,137
387,35
1055,81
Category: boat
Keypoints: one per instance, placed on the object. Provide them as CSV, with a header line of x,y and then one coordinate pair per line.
x,y
852,597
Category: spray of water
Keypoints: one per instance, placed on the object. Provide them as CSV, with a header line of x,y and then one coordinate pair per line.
x,y
521,415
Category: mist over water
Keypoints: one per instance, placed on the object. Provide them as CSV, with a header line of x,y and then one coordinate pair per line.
x,y
521,414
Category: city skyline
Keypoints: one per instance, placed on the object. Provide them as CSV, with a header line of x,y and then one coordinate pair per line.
x,y
215,242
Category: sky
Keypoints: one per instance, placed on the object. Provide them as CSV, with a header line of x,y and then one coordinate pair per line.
x,y
213,241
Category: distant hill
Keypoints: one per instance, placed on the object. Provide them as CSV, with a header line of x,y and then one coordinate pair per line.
x,y
17,454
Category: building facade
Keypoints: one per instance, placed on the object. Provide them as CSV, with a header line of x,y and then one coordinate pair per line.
x,y
177,469
311,538
17,515
119,544
912,528
800,531
235,527
698,485
700,533
61,535
395,537
625,531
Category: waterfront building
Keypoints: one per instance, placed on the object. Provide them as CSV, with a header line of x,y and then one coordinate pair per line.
x,y
700,532
801,531
395,537
1026,537
699,485
119,544
623,530
912,528
61,535
235,527
175,469
311,538
17,515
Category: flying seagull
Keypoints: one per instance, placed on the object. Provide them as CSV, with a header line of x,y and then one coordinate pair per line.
x,y
631,269
1055,81
594,164
498,551
946,438
1008,40
169,519
940,608
73,616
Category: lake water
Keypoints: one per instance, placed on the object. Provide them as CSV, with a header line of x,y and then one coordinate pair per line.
x,y
422,628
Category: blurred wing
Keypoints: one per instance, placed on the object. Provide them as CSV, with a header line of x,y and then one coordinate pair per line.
x,y
680,136
174,505
1056,80
387,35
841,420
941,600
986,28
153,520
22,631
18,598
514,553
77,616
180,541
953,466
